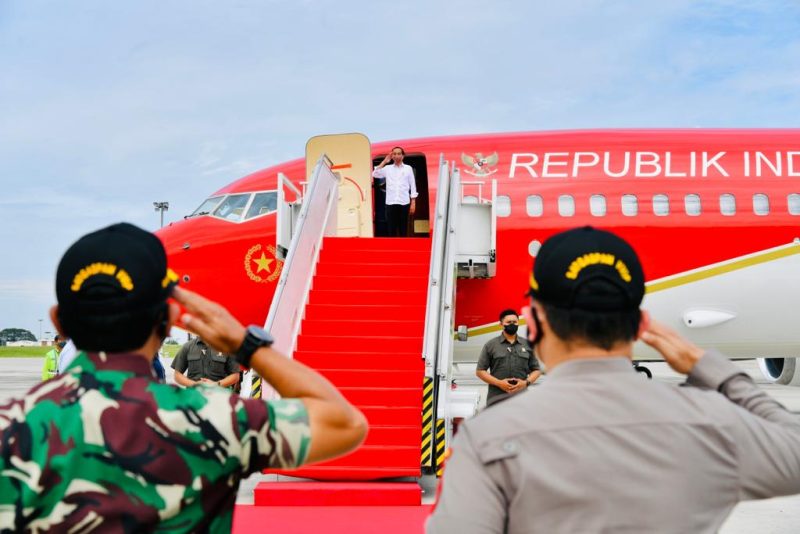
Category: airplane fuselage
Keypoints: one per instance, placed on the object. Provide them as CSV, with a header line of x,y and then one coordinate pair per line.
x,y
713,215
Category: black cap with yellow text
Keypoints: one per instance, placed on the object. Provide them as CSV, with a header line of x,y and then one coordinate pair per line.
x,y
115,269
588,269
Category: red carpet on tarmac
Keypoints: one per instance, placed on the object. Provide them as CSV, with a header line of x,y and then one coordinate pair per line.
x,y
330,519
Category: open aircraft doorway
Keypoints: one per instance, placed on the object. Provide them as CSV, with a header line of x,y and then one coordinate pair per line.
x,y
419,224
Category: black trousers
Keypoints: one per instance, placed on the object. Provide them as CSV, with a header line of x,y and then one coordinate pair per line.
x,y
397,219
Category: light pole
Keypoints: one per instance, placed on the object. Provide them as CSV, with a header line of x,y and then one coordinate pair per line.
x,y
40,329
161,207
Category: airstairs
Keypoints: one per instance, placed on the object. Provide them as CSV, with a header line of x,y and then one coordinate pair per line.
x,y
375,316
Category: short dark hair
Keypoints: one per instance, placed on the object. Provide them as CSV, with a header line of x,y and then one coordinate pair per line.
x,y
117,332
601,329
508,311
398,147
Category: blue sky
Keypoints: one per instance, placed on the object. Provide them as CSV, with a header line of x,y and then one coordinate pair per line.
x,y
106,107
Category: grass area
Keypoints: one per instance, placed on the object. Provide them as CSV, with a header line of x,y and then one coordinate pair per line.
x,y
169,351
23,352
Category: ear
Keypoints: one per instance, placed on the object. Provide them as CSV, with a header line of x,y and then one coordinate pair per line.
x,y
527,316
55,321
644,323
539,312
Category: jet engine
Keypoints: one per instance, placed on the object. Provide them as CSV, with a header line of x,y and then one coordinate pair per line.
x,y
784,371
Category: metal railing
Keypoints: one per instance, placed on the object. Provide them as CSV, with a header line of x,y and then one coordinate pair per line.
x,y
286,218
317,218
431,334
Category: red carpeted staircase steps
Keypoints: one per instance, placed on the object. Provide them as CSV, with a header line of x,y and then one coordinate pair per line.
x,y
343,494
363,330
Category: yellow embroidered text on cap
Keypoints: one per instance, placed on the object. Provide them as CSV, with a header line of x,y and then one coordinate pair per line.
x,y
592,258
102,268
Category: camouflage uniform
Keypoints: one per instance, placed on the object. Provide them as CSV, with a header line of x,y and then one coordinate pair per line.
x,y
105,447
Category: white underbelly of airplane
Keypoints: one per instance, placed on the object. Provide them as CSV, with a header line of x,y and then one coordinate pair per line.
x,y
744,308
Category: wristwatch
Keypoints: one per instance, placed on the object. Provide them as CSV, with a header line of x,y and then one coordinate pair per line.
x,y
254,339
528,381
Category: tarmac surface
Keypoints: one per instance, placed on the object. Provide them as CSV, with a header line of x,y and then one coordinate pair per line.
x,y
777,516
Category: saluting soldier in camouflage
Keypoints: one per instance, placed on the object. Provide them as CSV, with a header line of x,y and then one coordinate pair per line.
x,y
105,447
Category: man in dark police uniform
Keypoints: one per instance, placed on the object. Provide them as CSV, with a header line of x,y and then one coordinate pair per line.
x,y
507,362
197,363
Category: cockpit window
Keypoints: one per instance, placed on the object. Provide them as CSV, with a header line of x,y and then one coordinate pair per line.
x,y
232,208
206,207
263,203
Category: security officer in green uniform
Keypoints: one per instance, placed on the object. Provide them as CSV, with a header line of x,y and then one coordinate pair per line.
x,y
197,363
507,362
50,367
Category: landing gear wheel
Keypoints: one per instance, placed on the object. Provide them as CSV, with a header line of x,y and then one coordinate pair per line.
x,y
644,370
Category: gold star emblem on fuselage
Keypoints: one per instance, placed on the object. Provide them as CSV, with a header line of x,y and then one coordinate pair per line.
x,y
264,262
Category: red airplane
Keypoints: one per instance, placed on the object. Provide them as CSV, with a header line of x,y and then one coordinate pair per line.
x,y
712,213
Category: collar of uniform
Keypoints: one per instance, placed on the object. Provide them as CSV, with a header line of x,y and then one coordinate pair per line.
x,y
130,362
591,366
504,340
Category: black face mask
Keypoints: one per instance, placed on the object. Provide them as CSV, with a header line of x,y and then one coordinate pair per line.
x,y
511,329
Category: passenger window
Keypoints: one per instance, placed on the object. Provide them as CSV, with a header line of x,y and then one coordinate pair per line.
x,y
727,204
232,207
469,199
661,205
533,247
793,200
630,205
207,206
502,206
597,205
760,204
534,206
691,204
262,203
566,205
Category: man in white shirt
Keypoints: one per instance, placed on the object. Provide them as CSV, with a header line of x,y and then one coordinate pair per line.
x,y
66,356
401,191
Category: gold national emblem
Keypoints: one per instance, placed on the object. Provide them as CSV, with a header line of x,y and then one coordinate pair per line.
x,y
261,264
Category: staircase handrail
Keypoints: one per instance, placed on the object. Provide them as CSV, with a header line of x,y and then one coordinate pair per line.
x,y
431,332
447,304
316,220
284,220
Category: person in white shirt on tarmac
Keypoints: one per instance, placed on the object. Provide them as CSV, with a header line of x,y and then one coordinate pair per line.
x,y
66,356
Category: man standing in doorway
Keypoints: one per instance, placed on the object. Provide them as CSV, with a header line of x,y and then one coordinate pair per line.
x,y
197,363
507,362
401,191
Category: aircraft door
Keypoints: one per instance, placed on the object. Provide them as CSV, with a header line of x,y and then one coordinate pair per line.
x,y
350,155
